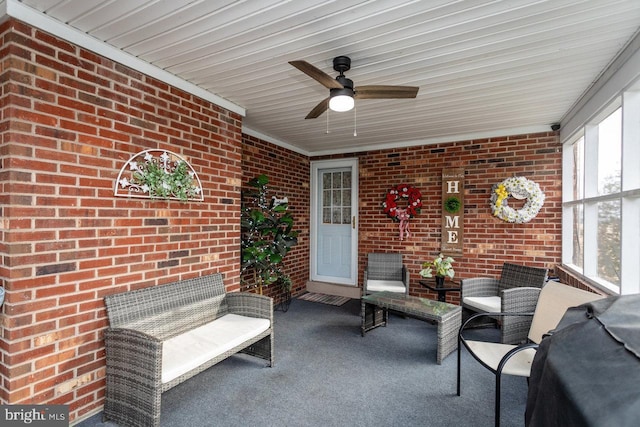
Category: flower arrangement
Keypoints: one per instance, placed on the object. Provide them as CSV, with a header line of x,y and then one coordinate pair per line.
x,y
402,192
161,177
520,188
441,266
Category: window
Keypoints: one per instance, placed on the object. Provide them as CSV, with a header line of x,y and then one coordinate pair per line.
x,y
336,197
601,197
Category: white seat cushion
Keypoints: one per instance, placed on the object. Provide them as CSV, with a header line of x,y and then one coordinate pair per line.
x,y
385,285
187,351
484,304
491,353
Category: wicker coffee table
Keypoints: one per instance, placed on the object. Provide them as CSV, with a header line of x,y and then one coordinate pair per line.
x,y
375,308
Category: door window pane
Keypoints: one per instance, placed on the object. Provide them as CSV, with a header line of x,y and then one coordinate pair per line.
x,y
346,215
337,198
326,215
326,181
346,180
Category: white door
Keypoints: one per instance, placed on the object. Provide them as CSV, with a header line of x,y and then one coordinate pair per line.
x,y
334,208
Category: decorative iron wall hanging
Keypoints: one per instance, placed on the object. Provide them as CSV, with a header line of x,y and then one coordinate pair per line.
x,y
158,174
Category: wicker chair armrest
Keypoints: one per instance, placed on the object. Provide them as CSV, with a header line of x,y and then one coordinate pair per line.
x,y
133,377
468,323
251,305
405,278
517,300
515,329
479,287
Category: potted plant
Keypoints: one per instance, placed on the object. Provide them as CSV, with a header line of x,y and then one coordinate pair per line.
x,y
441,266
267,236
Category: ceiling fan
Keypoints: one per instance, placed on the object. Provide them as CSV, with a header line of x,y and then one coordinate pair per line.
x,y
341,89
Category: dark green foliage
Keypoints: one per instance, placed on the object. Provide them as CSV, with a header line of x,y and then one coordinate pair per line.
x,y
267,235
452,205
165,179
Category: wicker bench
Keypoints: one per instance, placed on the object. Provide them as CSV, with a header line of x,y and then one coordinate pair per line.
x,y
161,336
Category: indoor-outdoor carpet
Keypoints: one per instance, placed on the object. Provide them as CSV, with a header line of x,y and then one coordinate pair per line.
x,y
324,298
327,375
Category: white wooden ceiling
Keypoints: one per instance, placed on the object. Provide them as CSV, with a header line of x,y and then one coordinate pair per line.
x,y
483,67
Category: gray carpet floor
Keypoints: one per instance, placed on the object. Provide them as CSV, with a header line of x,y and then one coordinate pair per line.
x,y
327,374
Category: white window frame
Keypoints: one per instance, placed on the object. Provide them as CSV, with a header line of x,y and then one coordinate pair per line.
x,y
629,195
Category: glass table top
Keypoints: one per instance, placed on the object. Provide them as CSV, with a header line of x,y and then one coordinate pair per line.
x,y
410,304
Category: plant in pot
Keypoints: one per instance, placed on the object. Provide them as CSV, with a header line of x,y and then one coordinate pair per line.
x,y
267,236
441,267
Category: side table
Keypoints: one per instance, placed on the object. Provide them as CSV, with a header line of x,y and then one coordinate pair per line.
x,y
441,290
375,308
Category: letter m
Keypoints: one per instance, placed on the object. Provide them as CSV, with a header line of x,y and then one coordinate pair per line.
x,y
451,221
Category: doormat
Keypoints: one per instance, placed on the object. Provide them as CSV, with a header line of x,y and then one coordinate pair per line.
x,y
324,298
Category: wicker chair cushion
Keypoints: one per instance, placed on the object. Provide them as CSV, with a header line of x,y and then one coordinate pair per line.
x,y
191,349
385,285
484,304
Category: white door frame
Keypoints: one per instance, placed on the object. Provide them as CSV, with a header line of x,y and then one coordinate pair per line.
x,y
313,237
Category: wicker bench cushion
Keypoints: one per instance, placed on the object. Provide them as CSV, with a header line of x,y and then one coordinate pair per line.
x,y
191,349
484,304
385,285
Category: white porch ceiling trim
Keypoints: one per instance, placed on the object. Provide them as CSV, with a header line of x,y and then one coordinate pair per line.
x,y
439,140
260,135
617,77
32,17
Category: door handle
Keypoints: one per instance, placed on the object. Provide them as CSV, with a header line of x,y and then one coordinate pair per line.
x,y
353,222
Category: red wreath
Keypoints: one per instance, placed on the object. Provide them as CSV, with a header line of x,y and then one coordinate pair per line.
x,y
402,191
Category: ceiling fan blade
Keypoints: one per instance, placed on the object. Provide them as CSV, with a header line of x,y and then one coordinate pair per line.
x,y
325,79
318,109
385,92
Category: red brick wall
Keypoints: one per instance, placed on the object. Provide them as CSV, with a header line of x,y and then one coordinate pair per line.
x,y
288,174
70,120
488,241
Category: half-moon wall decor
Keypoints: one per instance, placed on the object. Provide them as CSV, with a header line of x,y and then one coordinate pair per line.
x,y
158,174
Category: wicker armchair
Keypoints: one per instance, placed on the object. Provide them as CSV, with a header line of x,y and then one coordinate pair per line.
x,y
516,291
385,272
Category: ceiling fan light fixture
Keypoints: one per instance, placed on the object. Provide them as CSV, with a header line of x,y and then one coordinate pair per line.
x,y
341,100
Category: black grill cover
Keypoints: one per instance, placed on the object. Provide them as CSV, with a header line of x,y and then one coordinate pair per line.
x,y
587,372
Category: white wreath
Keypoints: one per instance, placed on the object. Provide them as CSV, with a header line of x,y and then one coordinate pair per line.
x,y
520,188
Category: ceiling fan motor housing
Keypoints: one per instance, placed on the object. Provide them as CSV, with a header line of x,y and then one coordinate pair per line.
x,y
341,64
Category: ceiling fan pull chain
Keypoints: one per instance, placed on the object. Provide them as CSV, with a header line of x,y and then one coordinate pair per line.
x,y
355,120
327,122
